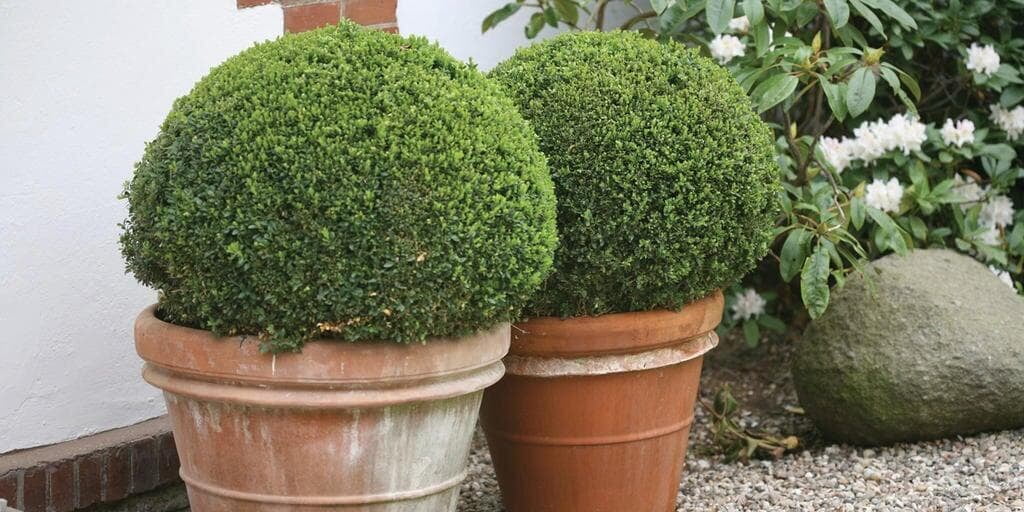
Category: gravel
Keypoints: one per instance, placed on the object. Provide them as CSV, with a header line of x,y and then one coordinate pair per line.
x,y
983,473
978,473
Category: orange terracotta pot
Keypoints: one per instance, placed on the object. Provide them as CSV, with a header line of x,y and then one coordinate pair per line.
x,y
369,427
593,414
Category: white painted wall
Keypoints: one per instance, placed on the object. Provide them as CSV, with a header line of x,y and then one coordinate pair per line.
x,y
83,85
455,25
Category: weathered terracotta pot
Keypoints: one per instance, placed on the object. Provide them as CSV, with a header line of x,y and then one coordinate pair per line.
x,y
593,414
369,427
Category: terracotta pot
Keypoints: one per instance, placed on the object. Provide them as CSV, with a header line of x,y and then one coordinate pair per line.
x,y
594,413
370,427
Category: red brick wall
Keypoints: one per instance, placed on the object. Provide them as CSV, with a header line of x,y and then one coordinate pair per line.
x,y
300,15
103,475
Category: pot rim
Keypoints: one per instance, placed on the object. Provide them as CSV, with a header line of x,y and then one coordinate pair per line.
x,y
199,354
617,333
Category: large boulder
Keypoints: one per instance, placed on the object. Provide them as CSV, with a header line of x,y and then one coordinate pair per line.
x,y
919,347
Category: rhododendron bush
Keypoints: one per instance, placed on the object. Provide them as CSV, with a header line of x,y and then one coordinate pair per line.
x,y
897,123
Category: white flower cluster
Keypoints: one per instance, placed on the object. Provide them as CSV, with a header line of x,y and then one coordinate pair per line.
x,y
1010,121
747,304
968,190
958,133
983,59
997,212
884,195
724,48
1003,276
872,140
740,25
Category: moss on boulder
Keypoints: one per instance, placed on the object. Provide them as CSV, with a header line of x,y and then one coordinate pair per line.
x,y
920,347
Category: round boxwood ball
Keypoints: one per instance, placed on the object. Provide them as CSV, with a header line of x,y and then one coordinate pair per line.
x,y
665,176
342,182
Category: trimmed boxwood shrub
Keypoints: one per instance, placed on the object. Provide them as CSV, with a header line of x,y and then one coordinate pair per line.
x,y
342,182
664,175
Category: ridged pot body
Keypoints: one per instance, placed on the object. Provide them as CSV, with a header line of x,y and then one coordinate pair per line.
x,y
368,427
594,413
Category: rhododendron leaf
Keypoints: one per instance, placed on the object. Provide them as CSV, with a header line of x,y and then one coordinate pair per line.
x,y
1011,96
771,323
659,6
1001,152
992,253
869,15
909,82
861,91
567,10
499,15
754,11
893,11
535,25
677,14
719,14
838,12
775,90
890,236
762,38
751,332
858,211
814,282
836,95
918,228
1016,239
794,252
851,36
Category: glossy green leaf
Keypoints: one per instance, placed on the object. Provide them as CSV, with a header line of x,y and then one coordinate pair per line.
x,y
751,333
861,91
838,12
499,15
814,282
858,212
836,96
719,14
567,10
794,252
754,11
535,25
893,11
869,15
774,90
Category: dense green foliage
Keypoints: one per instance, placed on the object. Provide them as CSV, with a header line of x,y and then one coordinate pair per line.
x,y
346,183
898,125
664,174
